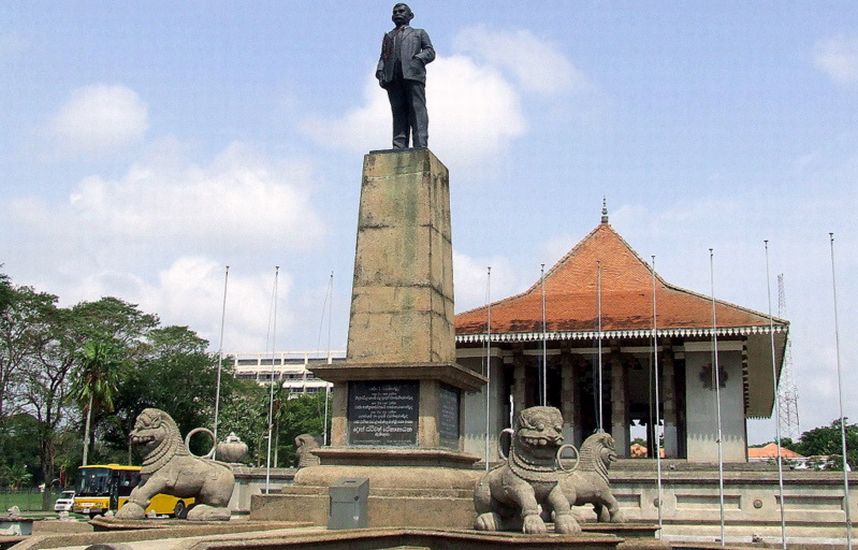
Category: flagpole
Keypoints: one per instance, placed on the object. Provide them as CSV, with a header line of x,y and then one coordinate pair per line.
x,y
544,340
271,396
840,400
488,361
777,401
716,369
657,398
220,358
330,301
599,335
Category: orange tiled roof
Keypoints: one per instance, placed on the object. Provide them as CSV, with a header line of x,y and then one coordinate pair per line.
x,y
626,282
771,451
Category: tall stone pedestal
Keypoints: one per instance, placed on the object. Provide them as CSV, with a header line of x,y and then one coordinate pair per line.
x,y
397,399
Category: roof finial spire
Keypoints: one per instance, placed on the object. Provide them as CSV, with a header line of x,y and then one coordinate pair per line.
x,y
604,210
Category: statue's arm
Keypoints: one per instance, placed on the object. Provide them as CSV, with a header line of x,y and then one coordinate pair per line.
x,y
427,52
379,70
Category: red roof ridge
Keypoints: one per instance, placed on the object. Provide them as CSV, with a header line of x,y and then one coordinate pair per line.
x,y
622,255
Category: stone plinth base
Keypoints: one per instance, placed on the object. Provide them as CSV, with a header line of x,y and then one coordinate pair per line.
x,y
358,456
398,497
428,539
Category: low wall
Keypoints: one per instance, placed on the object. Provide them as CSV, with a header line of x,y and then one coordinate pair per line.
x,y
813,501
251,481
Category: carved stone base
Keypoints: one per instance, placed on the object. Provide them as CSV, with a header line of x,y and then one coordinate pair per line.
x,y
419,496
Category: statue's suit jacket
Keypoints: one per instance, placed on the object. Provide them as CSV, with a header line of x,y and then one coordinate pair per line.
x,y
415,52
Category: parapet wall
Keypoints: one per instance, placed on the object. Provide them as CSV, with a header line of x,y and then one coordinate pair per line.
x,y
813,501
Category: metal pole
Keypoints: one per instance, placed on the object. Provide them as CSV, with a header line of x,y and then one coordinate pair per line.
x,y
840,400
715,368
271,396
777,401
220,357
657,398
488,362
599,335
327,388
544,340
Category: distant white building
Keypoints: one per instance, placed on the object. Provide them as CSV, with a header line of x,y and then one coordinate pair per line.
x,y
289,368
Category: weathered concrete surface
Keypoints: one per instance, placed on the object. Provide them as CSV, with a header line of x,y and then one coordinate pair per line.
x,y
402,294
813,501
147,531
378,539
401,325
250,481
399,497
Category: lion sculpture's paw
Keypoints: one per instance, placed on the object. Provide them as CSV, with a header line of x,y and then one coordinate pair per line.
x,y
567,524
533,525
131,510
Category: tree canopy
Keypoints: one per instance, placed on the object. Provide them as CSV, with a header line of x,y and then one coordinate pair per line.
x,y
105,361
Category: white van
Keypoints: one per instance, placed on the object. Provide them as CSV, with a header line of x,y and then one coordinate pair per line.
x,y
65,502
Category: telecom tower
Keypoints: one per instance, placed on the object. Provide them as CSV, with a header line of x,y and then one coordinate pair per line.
x,y
787,391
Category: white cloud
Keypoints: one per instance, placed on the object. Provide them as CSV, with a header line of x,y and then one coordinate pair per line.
x,y
537,65
838,58
189,291
473,113
474,97
471,280
160,235
236,201
100,118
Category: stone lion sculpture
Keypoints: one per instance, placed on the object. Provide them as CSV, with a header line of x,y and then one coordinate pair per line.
x,y
169,468
588,483
508,497
304,445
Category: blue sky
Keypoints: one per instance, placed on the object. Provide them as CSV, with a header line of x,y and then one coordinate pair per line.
x,y
143,146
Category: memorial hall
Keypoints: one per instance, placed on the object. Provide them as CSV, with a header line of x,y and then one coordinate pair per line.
x,y
603,281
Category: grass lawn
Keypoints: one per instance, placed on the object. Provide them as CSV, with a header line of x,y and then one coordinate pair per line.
x,y
26,501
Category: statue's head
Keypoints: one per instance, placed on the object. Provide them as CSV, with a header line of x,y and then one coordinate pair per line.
x,y
539,432
152,427
402,14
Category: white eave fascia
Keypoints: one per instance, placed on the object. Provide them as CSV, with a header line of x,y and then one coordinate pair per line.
x,y
618,334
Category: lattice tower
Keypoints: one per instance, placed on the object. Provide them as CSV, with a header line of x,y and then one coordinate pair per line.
x,y
787,390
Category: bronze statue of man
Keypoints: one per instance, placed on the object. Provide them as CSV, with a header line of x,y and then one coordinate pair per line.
x,y
402,72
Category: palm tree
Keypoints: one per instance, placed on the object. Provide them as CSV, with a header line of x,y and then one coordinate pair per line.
x,y
98,369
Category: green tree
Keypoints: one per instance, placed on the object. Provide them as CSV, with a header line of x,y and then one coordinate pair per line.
x,y
46,363
303,414
19,439
175,374
98,371
24,320
245,413
111,335
826,440
16,476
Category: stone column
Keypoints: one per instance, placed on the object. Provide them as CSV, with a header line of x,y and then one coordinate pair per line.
x,y
619,408
568,404
668,393
339,421
400,385
519,391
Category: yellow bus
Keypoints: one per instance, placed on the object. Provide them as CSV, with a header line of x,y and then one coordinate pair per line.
x,y
104,487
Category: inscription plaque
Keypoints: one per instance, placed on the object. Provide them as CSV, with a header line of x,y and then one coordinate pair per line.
x,y
448,416
383,414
